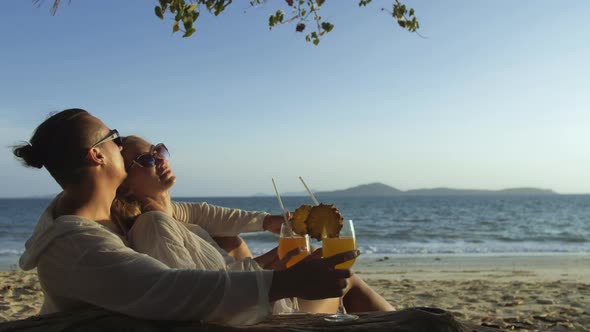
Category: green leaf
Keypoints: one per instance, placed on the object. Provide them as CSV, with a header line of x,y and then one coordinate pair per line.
x,y
316,42
158,12
193,8
272,21
327,26
280,16
189,32
175,27
187,22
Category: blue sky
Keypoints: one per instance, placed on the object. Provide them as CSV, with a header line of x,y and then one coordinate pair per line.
x,y
496,96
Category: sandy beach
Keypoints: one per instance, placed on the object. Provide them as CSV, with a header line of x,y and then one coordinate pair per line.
x,y
527,293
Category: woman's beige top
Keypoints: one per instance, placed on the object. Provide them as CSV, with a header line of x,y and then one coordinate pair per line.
x,y
187,245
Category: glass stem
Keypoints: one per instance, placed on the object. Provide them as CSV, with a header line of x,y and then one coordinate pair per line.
x,y
341,310
295,305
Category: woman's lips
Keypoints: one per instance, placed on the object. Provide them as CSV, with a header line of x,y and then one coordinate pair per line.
x,y
165,172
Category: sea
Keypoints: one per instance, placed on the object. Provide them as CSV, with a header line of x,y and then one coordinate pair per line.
x,y
406,225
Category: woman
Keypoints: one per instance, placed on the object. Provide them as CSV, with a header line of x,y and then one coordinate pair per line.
x,y
83,260
167,236
143,188
147,189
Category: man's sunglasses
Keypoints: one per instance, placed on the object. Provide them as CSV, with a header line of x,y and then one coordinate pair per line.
x,y
147,160
113,135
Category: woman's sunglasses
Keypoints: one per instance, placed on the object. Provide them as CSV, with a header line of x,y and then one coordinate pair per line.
x,y
147,160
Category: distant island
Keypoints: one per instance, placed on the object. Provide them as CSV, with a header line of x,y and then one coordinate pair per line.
x,y
378,189
382,190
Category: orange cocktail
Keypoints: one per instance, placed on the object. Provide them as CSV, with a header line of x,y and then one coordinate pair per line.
x,y
335,245
286,244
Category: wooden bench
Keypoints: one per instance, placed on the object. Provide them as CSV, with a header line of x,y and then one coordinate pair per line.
x,y
96,319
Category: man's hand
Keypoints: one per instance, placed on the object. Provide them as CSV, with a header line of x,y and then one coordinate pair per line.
x,y
273,222
313,278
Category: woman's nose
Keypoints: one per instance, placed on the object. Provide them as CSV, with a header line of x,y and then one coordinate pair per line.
x,y
161,162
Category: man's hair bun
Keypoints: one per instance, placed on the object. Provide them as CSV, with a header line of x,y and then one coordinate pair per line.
x,y
28,155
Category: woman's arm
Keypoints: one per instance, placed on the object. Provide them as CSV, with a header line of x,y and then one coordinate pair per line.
x,y
217,220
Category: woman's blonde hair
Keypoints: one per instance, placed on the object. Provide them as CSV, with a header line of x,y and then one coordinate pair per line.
x,y
124,211
125,208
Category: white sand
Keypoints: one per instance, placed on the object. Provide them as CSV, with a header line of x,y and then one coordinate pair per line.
x,y
544,292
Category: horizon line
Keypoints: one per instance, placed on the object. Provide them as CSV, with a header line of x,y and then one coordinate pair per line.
x,y
261,195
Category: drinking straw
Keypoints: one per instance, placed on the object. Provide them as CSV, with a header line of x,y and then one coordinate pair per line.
x,y
280,200
309,191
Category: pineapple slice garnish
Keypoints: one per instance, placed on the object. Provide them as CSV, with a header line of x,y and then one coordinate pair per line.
x,y
319,221
299,218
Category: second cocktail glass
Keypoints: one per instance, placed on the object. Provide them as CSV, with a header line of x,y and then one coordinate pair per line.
x,y
331,246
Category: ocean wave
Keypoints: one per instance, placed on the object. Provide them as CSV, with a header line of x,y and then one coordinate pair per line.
x,y
11,252
411,225
447,248
542,239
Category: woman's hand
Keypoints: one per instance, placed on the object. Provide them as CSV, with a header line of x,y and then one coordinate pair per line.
x,y
273,222
312,278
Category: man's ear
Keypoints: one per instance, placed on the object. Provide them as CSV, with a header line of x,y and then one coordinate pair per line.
x,y
96,156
